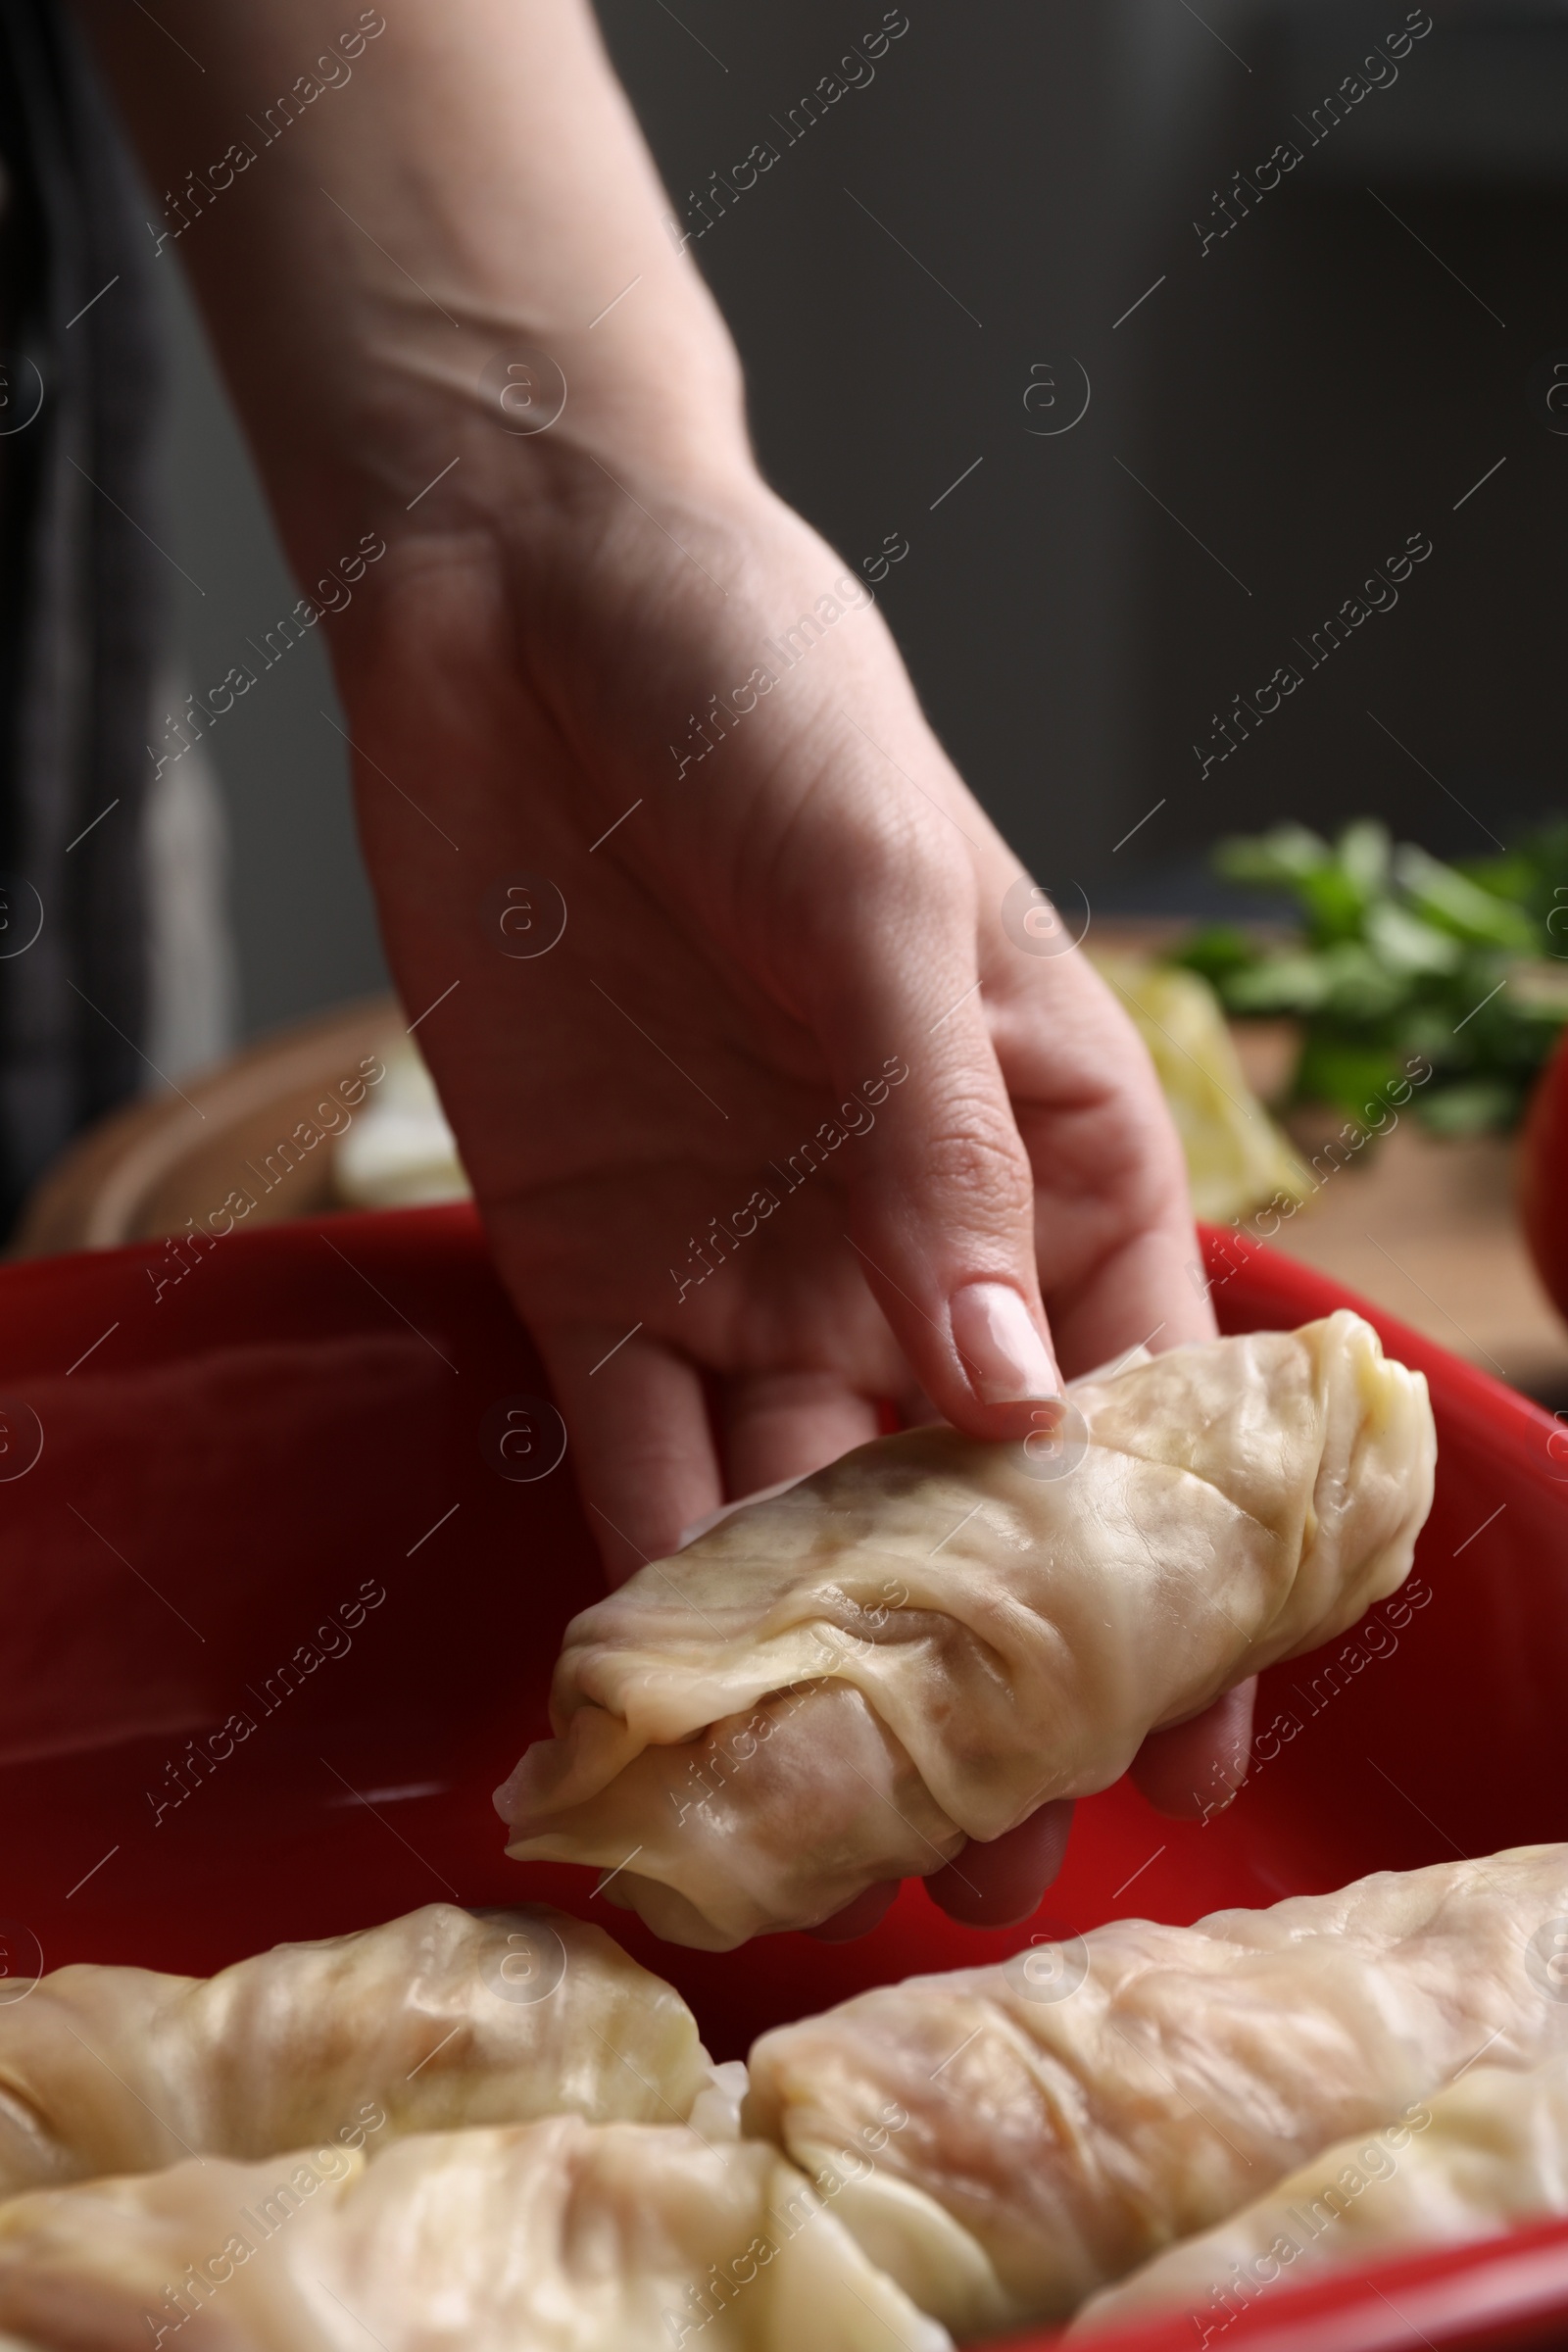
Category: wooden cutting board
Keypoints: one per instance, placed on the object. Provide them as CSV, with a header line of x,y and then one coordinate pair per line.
x,y
1426,1228
1423,1228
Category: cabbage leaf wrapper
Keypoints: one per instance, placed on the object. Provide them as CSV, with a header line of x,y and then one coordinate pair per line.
x,y
560,2235
442,2018
1076,2110
927,1641
1487,2155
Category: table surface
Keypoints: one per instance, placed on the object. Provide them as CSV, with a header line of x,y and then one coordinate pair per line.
x,y
1426,1229
1423,1227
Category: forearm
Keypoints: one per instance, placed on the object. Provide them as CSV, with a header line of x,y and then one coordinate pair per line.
x,y
374,218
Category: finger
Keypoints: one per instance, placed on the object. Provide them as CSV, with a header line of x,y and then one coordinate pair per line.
x,y
639,1439
941,1196
1119,1260
912,1408
859,1917
783,1425
1195,1768
1149,1291
992,1885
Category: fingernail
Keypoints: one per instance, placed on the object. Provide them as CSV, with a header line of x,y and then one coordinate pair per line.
x,y
1004,1355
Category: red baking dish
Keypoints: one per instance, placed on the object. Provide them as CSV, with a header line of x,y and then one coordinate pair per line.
x,y
305,1481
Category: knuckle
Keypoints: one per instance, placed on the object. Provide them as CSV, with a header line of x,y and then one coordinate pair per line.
x,y
886,845
978,1165
899,866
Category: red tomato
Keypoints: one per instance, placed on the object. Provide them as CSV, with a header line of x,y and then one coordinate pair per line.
x,y
1544,1176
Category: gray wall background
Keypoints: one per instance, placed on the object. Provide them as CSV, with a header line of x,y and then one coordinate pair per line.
x,y
1272,422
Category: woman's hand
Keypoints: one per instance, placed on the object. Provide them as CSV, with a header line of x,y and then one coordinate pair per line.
x,y
793,1086
803,1108
777,1125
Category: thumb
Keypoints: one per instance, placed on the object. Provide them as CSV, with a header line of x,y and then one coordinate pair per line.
x,y
941,1197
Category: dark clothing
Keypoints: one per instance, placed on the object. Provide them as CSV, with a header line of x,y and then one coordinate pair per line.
x,y
82,596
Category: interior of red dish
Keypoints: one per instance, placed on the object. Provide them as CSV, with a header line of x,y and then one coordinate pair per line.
x,y
266,1490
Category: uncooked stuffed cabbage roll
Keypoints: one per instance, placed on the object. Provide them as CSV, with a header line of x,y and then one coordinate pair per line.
x,y
1487,2154
564,2236
445,2017
933,1637
1076,2109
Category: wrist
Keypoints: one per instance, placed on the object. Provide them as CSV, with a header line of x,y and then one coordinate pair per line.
x,y
550,530
414,430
